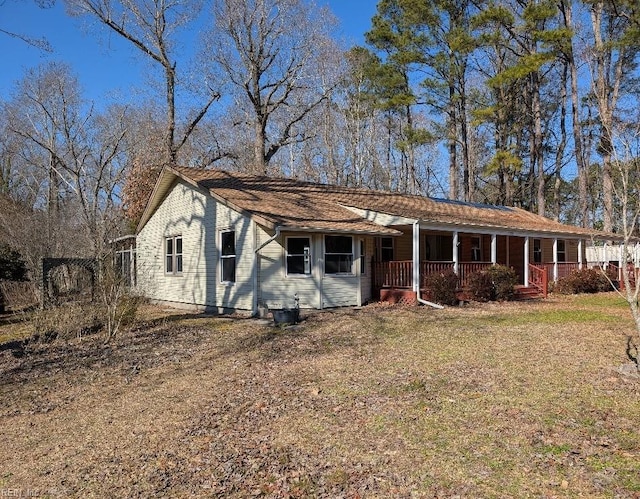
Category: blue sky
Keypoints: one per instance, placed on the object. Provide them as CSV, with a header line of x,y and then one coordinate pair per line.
x,y
107,66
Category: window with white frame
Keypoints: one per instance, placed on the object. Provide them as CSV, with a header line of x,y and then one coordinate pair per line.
x,y
173,255
228,256
562,251
338,254
385,249
476,248
537,251
298,256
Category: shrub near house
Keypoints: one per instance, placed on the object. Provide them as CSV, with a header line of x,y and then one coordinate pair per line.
x,y
584,281
495,283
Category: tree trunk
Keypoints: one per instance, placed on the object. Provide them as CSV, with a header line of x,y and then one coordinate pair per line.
x,y
562,145
259,150
537,143
467,169
454,186
581,163
170,76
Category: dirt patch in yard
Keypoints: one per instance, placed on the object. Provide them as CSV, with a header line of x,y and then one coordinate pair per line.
x,y
488,400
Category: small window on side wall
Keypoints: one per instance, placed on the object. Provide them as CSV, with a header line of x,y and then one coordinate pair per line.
x,y
338,254
228,256
173,255
298,256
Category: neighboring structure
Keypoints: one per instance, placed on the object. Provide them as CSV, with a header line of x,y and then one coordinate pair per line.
x,y
604,254
226,241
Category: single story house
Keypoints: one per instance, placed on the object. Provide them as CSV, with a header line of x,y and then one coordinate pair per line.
x,y
221,241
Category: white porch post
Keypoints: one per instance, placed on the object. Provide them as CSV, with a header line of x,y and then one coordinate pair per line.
x,y
494,249
555,259
526,261
580,254
620,262
416,258
455,252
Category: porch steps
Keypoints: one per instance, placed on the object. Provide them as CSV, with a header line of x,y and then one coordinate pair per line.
x,y
521,293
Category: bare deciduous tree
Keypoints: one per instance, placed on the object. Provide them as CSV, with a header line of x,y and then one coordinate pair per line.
x,y
625,170
38,43
81,152
276,56
152,26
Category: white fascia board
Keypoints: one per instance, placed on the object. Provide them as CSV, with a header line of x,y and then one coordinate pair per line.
x,y
503,231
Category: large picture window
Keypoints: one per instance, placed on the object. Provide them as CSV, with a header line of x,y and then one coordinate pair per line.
x,y
228,256
298,256
173,255
338,254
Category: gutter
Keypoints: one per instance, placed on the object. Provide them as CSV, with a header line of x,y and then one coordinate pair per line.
x,y
271,239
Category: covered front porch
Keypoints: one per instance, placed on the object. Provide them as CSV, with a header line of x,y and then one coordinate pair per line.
x,y
402,264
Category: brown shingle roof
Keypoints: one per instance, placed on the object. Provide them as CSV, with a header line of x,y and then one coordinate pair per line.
x,y
308,206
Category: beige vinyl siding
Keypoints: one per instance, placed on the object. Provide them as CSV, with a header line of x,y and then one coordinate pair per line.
x,y
277,289
571,247
238,295
339,291
403,245
196,216
571,250
547,250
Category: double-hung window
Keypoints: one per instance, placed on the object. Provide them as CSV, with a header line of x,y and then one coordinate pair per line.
x,y
298,256
537,251
173,255
562,250
386,249
338,255
476,248
228,256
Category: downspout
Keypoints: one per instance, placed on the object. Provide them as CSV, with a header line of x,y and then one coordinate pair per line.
x,y
430,303
416,267
256,277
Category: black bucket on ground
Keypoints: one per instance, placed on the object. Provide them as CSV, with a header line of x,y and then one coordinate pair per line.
x,y
283,316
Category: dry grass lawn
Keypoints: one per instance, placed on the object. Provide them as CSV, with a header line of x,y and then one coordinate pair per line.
x,y
495,400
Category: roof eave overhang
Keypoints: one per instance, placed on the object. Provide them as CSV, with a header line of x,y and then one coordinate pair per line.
x,y
340,230
515,231
162,185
